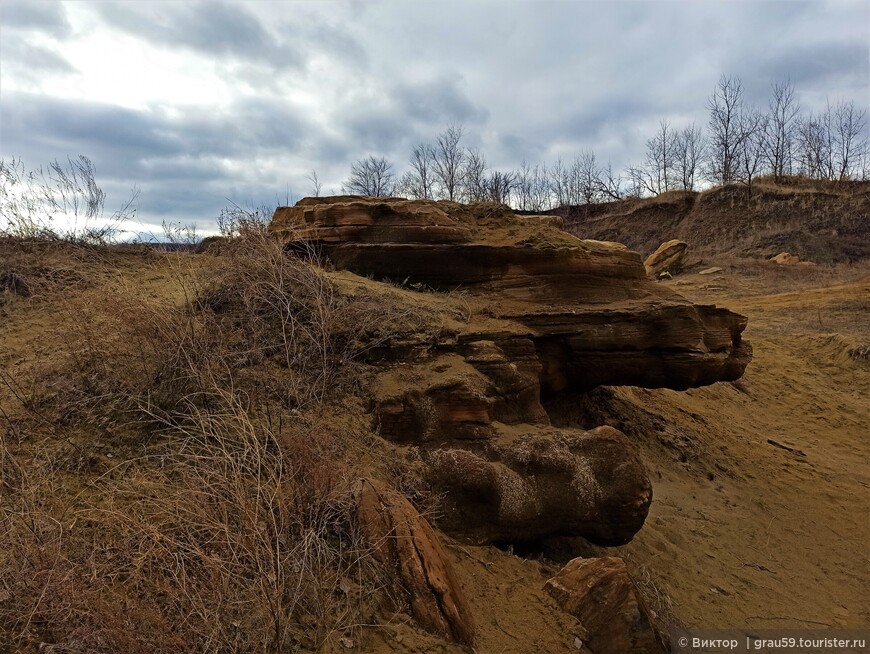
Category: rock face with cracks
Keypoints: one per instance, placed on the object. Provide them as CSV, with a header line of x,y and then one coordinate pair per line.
x,y
546,313
587,306
668,258
407,546
603,597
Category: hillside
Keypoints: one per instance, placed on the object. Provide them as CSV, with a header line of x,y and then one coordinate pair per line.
x,y
390,437
823,222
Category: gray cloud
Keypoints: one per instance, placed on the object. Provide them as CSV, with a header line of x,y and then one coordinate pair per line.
x,y
212,28
48,17
307,87
32,61
181,162
437,102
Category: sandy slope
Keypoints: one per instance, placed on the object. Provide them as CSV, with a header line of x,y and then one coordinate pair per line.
x,y
743,532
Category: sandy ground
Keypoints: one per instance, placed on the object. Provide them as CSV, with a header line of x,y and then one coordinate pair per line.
x,y
761,510
744,532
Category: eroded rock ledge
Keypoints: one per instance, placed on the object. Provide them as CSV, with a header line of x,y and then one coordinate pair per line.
x,y
546,313
587,306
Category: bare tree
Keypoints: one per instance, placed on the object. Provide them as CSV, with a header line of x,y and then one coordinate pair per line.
x,y
660,155
832,143
751,154
372,176
558,182
532,188
587,177
726,128
779,133
610,184
474,179
419,182
499,186
638,184
449,159
689,148
850,139
523,188
316,186
641,181
812,145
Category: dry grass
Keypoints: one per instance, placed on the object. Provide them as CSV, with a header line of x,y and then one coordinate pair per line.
x,y
224,519
234,537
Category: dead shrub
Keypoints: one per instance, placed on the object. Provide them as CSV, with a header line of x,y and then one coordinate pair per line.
x,y
236,537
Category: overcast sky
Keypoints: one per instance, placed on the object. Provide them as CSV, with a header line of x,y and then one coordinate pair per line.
x,y
197,102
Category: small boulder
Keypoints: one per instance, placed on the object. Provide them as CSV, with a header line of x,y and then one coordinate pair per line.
x,y
601,594
710,271
786,259
529,483
407,546
667,258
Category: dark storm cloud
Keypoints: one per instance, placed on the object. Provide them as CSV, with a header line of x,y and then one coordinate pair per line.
x,y
211,28
47,17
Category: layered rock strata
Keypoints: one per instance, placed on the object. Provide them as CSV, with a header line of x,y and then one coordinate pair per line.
x,y
588,306
418,570
546,313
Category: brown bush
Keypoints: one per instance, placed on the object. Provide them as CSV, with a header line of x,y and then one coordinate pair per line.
x,y
225,523
234,537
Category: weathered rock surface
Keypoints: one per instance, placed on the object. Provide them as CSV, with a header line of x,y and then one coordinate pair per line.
x,y
786,259
543,313
526,484
602,596
667,258
408,547
587,306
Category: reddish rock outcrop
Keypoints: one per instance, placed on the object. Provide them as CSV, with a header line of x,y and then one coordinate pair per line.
x,y
406,545
527,483
602,596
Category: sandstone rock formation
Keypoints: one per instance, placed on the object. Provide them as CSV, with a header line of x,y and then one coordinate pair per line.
x,y
587,307
668,258
544,313
406,545
603,597
526,484
784,258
